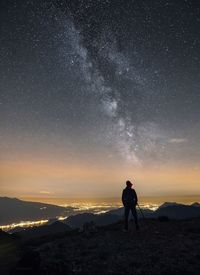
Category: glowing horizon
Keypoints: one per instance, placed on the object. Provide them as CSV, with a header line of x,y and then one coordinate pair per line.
x,y
44,179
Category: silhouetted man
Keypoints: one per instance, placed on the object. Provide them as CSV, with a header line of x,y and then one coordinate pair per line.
x,y
129,200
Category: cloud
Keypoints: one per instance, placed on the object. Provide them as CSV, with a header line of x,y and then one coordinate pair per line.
x,y
177,140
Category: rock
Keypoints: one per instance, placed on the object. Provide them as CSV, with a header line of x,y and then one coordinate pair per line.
x,y
163,219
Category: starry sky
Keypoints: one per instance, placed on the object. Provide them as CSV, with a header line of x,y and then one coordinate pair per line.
x,y
93,92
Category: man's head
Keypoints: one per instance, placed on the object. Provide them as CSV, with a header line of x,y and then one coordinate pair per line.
x,y
129,184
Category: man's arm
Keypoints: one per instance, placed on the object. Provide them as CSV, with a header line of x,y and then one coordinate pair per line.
x,y
123,197
136,198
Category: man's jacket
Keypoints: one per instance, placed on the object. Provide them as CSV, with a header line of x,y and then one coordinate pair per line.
x,y
129,197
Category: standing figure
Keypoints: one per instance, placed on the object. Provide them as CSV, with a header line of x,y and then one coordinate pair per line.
x,y
129,200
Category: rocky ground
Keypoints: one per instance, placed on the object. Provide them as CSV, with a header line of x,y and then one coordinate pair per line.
x,y
168,247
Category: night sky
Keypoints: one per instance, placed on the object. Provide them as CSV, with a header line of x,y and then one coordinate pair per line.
x,y
95,91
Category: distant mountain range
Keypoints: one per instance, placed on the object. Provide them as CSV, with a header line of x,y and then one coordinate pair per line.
x,y
168,209
178,211
15,210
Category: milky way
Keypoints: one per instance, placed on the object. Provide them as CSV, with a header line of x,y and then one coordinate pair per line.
x,y
108,79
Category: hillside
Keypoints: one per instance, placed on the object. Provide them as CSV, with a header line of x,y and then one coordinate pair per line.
x,y
171,247
15,210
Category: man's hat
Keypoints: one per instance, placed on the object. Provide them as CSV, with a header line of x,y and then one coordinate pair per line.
x,y
128,183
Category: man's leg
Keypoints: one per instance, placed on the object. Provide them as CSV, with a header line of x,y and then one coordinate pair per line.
x,y
134,213
126,214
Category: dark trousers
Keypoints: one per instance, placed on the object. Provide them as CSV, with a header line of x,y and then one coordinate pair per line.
x,y
127,209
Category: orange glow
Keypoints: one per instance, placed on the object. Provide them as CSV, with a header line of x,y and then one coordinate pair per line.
x,y
83,180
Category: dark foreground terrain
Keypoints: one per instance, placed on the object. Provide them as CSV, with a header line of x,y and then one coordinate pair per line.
x,y
162,247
